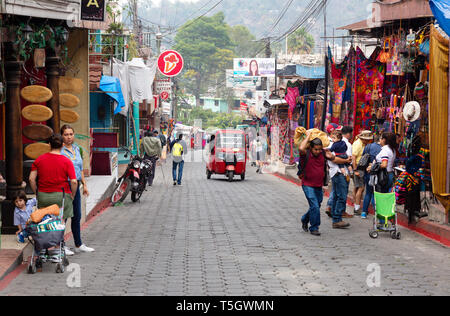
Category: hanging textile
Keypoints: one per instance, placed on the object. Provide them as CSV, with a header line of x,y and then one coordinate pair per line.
x,y
438,115
111,86
339,76
369,80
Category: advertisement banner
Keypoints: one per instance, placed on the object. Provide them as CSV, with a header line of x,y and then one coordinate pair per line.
x,y
254,67
241,81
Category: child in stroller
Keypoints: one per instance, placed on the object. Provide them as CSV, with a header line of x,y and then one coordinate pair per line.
x,y
22,212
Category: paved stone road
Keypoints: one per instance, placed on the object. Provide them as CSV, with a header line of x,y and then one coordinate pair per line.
x,y
242,238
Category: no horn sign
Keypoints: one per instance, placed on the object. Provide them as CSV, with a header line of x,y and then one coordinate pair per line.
x,y
170,63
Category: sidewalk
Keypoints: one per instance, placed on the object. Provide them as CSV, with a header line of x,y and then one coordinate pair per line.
x,y
425,226
12,253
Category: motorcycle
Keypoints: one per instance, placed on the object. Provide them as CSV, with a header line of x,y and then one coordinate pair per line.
x,y
134,179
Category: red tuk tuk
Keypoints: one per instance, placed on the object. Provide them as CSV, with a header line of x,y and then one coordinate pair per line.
x,y
227,154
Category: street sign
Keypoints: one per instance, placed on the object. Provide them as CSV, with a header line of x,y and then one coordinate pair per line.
x,y
170,63
163,85
93,10
164,95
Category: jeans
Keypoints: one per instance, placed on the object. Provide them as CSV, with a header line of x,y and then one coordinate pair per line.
x,y
331,198
340,188
76,219
151,175
369,197
315,198
180,166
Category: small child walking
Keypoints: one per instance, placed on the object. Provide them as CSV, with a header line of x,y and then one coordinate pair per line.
x,y
339,148
22,212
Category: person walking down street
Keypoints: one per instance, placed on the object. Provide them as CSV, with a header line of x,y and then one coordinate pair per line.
x,y
260,153
179,149
312,172
372,150
54,173
363,139
152,149
73,152
386,158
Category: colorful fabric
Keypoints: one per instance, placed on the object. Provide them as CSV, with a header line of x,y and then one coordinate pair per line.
x,y
369,76
438,114
404,184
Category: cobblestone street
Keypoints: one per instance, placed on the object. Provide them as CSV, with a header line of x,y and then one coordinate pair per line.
x,y
211,237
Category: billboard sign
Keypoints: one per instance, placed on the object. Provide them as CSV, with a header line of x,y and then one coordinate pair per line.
x,y
241,81
254,67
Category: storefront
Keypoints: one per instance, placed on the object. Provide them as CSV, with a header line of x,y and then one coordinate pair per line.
x,y
44,62
393,91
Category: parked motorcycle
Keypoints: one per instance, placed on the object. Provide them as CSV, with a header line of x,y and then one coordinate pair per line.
x,y
134,179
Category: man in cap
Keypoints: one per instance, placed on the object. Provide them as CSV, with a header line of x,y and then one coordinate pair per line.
x,y
363,139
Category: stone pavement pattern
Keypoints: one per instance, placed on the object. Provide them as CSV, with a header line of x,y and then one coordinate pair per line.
x,y
211,237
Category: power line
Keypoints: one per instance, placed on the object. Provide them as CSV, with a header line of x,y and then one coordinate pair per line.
x,y
195,20
280,16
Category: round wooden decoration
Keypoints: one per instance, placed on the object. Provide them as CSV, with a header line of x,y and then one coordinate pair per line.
x,y
70,85
36,94
37,132
69,116
33,151
68,100
37,113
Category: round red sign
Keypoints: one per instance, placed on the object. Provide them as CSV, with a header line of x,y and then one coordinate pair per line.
x,y
164,95
170,63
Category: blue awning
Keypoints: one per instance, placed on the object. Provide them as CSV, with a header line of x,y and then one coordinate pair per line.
x,y
311,72
111,86
441,11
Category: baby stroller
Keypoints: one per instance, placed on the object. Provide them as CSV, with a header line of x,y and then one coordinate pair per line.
x,y
44,235
385,218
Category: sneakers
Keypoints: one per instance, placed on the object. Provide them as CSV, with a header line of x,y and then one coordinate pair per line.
x,y
363,215
341,224
174,183
83,248
315,233
68,251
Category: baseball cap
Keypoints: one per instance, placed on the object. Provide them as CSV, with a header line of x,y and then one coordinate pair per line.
x,y
332,127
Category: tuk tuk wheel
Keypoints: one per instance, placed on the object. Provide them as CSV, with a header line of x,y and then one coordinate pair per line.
x,y
31,269
373,234
208,174
243,176
230,176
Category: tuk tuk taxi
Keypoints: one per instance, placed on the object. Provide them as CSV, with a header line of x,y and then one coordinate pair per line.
x,y
227,154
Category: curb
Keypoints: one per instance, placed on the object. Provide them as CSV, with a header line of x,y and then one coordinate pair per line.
x,y
428,229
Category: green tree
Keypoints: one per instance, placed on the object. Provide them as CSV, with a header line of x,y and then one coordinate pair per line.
x,y
301,42
207,50
244,42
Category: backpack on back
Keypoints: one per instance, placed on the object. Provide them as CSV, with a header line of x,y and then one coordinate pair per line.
x,y
177,150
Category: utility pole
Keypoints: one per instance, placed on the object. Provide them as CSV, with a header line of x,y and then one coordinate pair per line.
x,y
325,102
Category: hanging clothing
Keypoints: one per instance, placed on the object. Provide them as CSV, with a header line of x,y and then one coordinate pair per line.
x,y
141,79
120,71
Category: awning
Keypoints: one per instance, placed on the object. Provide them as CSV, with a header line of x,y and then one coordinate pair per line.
x,y
111,86
274,102
441,11
311,72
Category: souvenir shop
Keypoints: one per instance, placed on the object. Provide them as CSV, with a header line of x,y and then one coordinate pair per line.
x,y
302,106
388,92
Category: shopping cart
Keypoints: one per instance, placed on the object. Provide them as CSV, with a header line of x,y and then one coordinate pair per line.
x,y
44,236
